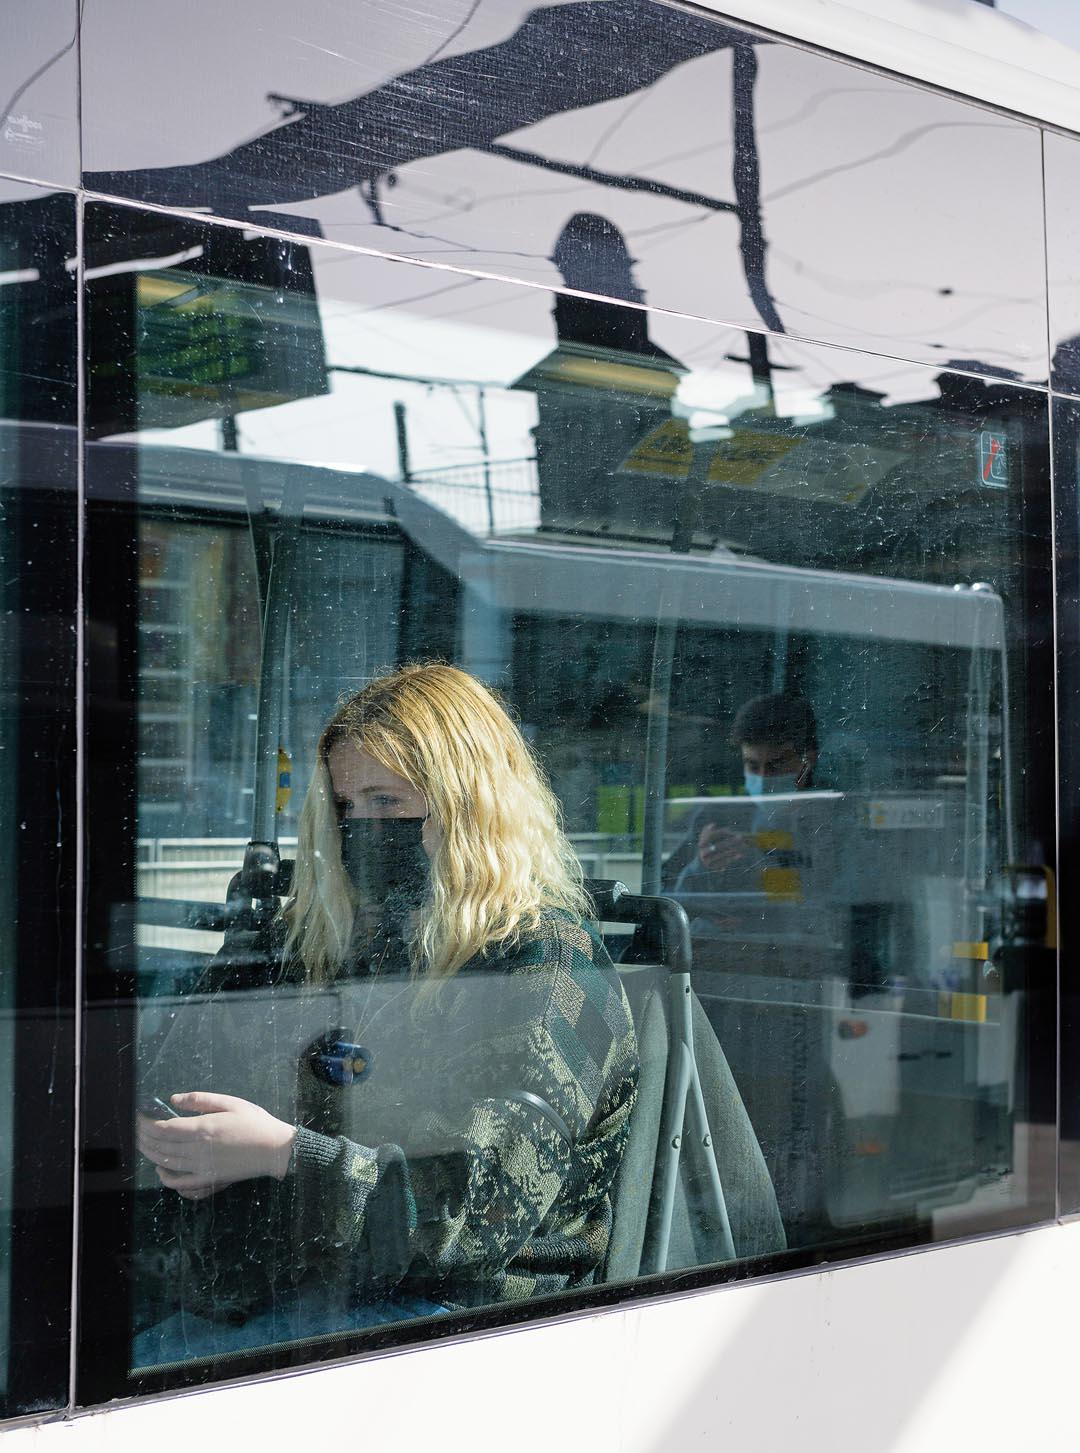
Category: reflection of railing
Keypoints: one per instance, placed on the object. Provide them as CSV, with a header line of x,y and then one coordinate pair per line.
x,y
486,497
198,870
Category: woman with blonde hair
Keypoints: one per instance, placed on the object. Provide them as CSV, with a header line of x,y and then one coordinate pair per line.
x,y
456,1141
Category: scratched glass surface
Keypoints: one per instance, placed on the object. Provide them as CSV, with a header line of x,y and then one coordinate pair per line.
x,y
1067,555
37,668
39,136
773,618
1062,274
753,183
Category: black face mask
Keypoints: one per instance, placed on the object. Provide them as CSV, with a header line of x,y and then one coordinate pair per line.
x,y
384,856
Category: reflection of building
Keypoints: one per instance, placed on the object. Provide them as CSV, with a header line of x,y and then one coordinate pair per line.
x,y
197,682
604,397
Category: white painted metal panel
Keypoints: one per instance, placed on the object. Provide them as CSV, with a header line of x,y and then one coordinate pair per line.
x,y
970,1346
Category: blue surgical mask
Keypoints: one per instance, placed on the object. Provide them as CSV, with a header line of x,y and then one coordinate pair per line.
x,y
759,786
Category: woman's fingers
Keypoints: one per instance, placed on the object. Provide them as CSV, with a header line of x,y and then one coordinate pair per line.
x,y
204,1102
226,1139
178,1180
169,1142
191,1187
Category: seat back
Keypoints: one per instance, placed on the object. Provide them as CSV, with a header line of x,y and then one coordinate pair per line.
x,y
697,1232
753,1213
632,1193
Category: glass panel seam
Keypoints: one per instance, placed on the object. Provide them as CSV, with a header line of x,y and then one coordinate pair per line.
x,y
305,240
80,784
1056,626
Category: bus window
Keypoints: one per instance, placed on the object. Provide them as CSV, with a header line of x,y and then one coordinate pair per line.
x,y
730,601
38,668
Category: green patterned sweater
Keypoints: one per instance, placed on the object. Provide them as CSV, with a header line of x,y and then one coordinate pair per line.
x,y
472,1164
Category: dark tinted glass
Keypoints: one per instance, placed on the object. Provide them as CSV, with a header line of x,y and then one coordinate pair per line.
x,y
38,520
1067,491
1062,249
775,619
38,93
674,162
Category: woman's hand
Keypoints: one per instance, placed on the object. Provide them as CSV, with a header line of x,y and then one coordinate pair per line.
x,y
220,1140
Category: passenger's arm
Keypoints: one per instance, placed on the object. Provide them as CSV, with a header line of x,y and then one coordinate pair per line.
x,y
474,1184
473,1197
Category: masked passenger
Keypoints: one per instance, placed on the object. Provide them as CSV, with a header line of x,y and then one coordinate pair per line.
x,y
456,1129
777,740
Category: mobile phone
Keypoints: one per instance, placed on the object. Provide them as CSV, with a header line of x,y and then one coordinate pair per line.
x,y
156,1106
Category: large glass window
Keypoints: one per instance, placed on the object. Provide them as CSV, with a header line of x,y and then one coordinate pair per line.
x,y
752,182
775,622
38,522
39,133
1062,154
1067,554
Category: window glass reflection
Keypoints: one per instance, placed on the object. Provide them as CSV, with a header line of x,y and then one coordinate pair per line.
x,y
453,1136
753,182
1067,554
38,89
37,787
1062,156
770,619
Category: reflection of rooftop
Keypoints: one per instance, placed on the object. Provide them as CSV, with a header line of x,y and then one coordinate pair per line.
x,y
615,371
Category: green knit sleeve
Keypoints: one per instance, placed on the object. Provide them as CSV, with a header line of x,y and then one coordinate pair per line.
x,y
476,1181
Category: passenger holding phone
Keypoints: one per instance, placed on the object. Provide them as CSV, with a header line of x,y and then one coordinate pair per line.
x,y
777,740
467,1154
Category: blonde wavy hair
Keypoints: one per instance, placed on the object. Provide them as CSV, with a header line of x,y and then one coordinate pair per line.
x,y
502,857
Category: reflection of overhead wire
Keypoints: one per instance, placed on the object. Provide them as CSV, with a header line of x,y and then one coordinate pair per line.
x,y
801,114
813,103
437,52
450,244
453,287
902,143
875,285
918,335
609,131
672,236
456,392
668,226
519,295
491,198
428,380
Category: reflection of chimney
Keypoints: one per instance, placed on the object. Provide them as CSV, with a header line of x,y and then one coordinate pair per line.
x,y
592,257
604,390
